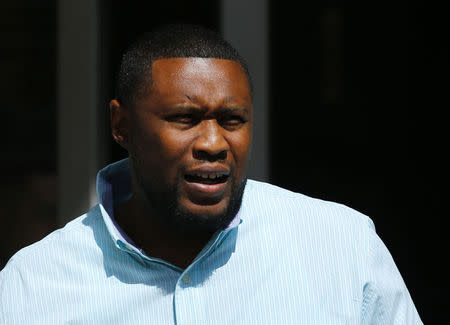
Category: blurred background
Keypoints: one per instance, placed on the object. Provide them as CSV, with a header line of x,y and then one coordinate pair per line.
x,y
349,107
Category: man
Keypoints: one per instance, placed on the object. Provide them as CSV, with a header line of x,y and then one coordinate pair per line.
x,y
179,234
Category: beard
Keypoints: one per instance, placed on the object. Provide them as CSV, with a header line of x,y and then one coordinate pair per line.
x,y
164,204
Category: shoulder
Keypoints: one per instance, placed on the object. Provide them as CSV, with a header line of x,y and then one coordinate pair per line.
x,y
59,245
311,230
38,275
274,200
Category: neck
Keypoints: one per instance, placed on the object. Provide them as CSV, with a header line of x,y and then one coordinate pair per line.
x,y
155,237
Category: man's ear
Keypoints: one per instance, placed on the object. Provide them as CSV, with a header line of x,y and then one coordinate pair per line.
x,y
119,116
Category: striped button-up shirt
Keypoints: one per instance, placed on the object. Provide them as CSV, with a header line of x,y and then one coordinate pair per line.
x,y
285,259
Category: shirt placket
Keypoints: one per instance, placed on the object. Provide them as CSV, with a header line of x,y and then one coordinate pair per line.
x,y
185,309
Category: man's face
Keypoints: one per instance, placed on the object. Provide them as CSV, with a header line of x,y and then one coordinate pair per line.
x,y
189,140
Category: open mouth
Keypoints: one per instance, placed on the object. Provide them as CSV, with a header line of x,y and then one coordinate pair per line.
x,y
207,178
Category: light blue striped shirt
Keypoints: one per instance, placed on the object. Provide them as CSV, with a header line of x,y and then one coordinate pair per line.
x,y
286,259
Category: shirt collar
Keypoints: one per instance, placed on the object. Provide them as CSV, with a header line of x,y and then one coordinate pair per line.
x,y
113,187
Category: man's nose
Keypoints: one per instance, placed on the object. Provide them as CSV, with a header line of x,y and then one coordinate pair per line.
x,y
211,144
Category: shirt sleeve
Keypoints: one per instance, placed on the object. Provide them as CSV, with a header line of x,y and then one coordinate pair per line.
x,y
4,295
12,298
2,280
386,299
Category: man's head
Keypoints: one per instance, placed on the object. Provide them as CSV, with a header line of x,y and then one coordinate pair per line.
x,y
169,41
184,113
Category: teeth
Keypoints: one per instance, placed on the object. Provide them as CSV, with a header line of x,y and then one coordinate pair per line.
x,y
210,175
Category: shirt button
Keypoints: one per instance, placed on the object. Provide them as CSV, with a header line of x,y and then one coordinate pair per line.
x,y
186,279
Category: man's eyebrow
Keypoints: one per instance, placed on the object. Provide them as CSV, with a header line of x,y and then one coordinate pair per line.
x,y
233,109
188,109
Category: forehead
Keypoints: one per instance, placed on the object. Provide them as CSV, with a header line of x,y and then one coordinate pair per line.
x,y
194,74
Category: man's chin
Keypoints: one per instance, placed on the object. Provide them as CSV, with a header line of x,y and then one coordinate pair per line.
x,y
193,217
206,210
185,215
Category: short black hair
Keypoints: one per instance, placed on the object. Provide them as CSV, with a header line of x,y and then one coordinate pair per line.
x,y
169,41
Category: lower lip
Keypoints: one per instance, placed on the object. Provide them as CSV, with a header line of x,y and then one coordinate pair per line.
x,y
209,189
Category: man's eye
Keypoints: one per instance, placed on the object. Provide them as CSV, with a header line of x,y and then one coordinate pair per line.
x,y
234,120
182,119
